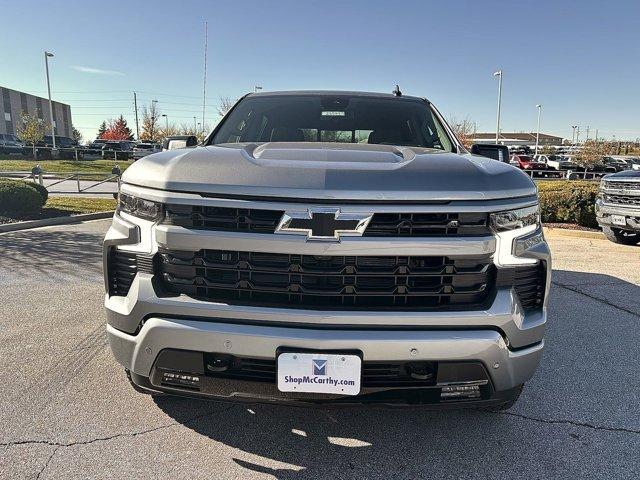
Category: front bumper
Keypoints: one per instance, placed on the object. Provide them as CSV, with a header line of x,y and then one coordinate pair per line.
x,y
631,214
139,353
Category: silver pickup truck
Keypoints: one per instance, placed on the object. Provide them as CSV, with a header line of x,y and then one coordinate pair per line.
x,y
321,247
618,207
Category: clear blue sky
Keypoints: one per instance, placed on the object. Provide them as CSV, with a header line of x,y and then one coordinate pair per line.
x,y
580,60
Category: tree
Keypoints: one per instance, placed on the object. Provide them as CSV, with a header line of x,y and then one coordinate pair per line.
x,y
226,104
75,133
150,120
102,129
118,130
31,130
464,129
591,153
172,130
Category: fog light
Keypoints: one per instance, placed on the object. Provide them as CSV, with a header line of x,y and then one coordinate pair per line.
x,y
460,391
181,380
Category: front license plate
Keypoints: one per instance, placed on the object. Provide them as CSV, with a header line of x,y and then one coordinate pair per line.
x,y
618,220
319,373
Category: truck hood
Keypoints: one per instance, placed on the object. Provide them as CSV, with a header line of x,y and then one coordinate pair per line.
x,y
329,171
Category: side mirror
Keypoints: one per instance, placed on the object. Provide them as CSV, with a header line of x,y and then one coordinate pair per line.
x,y
497,152
172,143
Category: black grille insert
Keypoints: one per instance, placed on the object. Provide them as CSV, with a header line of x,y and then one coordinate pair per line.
x,y
427,224
223,218
622,199
123,267
529,283
381,225
328,282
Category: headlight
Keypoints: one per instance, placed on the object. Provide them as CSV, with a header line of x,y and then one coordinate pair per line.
x,y
139,207
514,219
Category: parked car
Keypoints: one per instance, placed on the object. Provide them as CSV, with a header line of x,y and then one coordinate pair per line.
x,y
617,163
275,264
556,162
143,149
538,169
95,147
10,144
66,148
618,207
117,149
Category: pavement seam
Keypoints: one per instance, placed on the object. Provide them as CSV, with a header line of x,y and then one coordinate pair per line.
x,y
571,422
593,297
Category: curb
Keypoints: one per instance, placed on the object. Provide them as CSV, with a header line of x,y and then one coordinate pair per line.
x,y
566,232
46,222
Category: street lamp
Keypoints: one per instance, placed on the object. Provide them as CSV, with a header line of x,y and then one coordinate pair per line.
x,y
256,88
46,65
153,118
195,126
166,118
539,107
498,74
573,137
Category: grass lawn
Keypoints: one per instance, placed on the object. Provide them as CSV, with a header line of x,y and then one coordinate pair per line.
x,y
8,164
65,206
74,205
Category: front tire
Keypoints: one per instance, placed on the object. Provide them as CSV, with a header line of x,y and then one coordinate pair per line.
x,y
622,237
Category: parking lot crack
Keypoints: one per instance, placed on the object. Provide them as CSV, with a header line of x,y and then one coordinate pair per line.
x,y
550,421
105,438
574,288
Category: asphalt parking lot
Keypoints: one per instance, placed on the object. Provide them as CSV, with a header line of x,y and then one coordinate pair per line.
x,y
67,411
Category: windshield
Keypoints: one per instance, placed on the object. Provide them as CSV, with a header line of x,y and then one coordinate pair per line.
x,y
334,118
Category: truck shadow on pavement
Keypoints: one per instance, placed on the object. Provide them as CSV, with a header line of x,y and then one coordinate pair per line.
x,y
52,251
569,406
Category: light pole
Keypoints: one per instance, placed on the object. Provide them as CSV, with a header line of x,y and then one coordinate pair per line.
x,y
46,65
153,118
539,107
256,88
498,74
573,137
166,118
195,126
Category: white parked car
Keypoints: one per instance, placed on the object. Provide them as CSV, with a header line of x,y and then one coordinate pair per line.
x,y
143,149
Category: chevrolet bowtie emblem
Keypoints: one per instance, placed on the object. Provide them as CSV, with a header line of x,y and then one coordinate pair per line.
x,y
324,224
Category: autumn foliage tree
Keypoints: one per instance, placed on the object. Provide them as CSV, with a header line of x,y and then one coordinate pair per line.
x,y
31,130
118,130
591,153
464,130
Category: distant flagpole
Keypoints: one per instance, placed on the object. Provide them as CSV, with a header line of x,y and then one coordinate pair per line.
x,y
204,81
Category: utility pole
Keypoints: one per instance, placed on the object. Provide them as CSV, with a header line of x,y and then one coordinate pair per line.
x,y
596,134
135,106
498,74
204,79
53,131
539,107
587,134
578,135
195,128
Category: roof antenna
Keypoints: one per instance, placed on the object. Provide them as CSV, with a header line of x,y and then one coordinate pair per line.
x,y
397,91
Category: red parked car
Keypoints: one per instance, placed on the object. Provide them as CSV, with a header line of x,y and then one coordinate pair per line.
x,y
540,169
